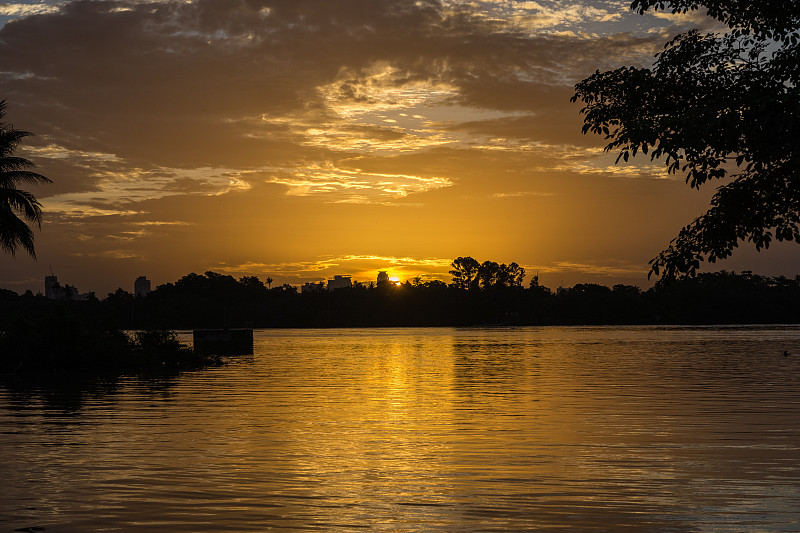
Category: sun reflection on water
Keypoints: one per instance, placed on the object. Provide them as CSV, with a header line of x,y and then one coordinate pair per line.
x,y
594,429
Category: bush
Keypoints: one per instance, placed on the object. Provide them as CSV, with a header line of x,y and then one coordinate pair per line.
x,y
60,341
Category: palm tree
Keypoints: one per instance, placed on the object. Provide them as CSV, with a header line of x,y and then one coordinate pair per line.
x,y
269,281
14,202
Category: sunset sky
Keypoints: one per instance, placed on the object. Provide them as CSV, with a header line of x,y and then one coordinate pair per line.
x,y
299,139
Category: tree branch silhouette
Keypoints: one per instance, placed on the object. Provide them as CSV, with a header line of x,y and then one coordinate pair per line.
x,y
714,106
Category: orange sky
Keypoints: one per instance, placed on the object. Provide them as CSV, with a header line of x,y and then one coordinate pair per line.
x,y
306,138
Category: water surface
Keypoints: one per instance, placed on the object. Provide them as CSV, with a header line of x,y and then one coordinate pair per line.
x,y
538,429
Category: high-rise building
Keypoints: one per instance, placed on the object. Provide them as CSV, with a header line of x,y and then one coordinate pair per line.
x,y
339,282
55,291
383,277
51,288
141,287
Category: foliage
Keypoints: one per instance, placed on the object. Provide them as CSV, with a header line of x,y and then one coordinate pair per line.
x,y
16,205
465,272
55,339
159,349
77,333
714,106
43,336
156,340
772,19
468,273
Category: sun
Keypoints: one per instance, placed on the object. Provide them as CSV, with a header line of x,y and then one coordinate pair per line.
x,y
395,280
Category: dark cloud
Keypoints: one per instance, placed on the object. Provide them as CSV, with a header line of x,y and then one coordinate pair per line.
x,y
157,81
561,125
146,111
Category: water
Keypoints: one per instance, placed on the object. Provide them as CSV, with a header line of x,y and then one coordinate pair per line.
x,y
529,429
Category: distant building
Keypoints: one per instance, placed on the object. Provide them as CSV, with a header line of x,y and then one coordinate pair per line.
x,y
339,282
52,289
383,277
55,291
141,287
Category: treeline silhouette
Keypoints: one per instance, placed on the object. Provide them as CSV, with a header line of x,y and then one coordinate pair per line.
x,y
472,299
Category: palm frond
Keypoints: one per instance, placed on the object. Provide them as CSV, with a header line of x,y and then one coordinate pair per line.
x,y
10,139
14,202
15,163
22,202
14,233
12,178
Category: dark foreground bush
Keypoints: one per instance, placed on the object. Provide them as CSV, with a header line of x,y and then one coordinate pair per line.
x,y
62,342
160,349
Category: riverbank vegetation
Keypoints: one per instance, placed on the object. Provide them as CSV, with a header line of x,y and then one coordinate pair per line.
x,y
56,338
472,298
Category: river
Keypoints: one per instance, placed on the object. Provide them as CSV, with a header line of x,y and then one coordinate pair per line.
x,y
504,429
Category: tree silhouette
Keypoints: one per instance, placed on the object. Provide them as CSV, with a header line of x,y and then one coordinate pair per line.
x,y
269,281
714,104
465,272
489,275
512,274
15,202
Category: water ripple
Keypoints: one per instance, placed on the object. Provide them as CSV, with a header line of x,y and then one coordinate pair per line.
x,y
586,429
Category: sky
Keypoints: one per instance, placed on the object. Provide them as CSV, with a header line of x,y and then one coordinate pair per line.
x,y
300,139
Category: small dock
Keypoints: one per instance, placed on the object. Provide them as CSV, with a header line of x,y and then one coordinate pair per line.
x,y
223,341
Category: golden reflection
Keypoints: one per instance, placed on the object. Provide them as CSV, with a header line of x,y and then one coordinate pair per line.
x,y
397,429
384,432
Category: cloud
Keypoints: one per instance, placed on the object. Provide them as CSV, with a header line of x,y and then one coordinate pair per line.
x,y
111,254
605,272
53,151
161,223
354,185
520,194
363,268
196,122
169,82
26,9
114,190
602,268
